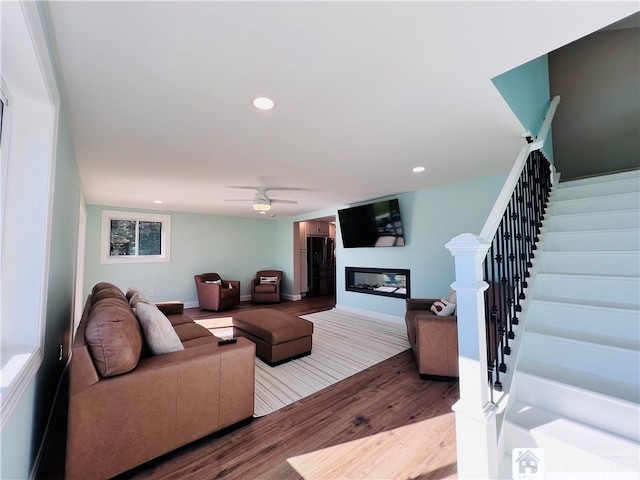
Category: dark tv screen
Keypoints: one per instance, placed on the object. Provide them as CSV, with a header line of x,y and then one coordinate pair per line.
x,y
373,225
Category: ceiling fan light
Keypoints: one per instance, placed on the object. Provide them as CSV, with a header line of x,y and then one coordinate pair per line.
x,y
261,207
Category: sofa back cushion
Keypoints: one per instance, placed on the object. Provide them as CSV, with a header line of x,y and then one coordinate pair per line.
x,y
114,336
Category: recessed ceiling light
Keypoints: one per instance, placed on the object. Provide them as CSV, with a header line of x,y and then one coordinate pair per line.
x,y
418,169
263,103
157,201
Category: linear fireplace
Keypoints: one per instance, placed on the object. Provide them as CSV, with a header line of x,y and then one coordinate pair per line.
x,y
388,282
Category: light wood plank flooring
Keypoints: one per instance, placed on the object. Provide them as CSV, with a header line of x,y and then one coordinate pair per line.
x,y
383,423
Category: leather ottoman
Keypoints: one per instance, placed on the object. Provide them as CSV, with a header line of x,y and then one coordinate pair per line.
x,y
278,336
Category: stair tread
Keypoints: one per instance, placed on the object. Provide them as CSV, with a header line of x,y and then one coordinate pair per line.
x,y
583,436
613,177
595,213
589,252
593,303
582,336
598,196
588,382
625,307
595,276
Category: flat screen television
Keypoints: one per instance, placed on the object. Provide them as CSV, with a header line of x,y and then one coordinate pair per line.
x,y
372,225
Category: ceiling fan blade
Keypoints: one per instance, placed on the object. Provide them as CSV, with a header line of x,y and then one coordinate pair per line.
x,y
265,189
291,202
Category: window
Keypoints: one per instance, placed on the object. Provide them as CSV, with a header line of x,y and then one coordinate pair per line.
x,y
135,237
27,156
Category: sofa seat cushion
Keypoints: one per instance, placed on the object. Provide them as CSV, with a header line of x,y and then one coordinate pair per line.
x,y
265,288
114,336
196,342
179,319
189,331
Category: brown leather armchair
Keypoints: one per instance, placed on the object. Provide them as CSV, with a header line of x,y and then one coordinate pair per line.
x,y
215,293
266,292
433,338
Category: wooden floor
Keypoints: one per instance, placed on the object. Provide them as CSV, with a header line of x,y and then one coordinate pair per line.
x,y
383,423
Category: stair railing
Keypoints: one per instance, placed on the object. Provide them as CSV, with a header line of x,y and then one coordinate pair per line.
x,y
491,277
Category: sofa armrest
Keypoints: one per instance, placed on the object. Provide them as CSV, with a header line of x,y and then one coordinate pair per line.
x,y
171,308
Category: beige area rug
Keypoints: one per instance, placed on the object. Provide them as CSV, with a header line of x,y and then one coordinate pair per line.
x,y
343,345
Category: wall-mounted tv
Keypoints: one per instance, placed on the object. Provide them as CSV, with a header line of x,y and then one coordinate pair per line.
x,y
373,225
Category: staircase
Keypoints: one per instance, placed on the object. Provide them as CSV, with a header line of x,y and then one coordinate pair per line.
x,y
577,380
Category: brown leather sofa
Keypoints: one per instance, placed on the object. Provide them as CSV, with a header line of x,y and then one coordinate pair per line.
x,y
128,406
433,338
268,291
215,293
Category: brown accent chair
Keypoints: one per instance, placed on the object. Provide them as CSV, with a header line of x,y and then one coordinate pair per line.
x,y
216,296
433,338
266,292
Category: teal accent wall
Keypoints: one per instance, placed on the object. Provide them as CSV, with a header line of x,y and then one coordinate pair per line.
x,y
18,439
430,217
526,91
235,248
23,434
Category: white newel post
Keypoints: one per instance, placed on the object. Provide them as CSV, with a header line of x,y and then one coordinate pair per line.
x,y
476,435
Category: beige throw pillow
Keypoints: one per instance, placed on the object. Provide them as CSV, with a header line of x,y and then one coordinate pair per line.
x,y
158,332
268,280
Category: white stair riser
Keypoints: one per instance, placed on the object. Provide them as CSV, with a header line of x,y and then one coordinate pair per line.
x,y
608,289
594,221
614,415
593,320
600,263
596,204
569,191
615,363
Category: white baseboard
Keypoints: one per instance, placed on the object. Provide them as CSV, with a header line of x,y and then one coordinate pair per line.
x,y
368,313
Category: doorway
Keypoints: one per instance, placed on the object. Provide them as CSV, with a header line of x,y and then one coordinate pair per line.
x,y
314,259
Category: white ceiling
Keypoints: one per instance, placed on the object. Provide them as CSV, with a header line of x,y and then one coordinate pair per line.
x,y
158,95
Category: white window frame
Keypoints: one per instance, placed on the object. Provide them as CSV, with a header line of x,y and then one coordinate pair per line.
x,y
105,237
31,112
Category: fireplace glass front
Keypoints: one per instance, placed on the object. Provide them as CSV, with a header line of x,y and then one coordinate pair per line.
x,y
378,281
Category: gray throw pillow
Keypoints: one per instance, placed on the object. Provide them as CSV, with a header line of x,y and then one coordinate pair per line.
x,y
158,332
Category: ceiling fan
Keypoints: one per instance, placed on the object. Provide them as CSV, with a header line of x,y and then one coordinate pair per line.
x,y
261,201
